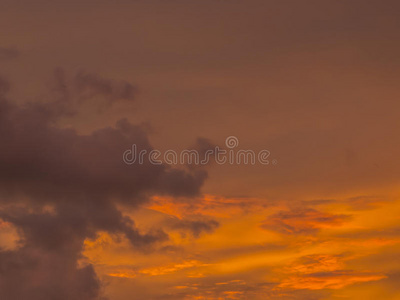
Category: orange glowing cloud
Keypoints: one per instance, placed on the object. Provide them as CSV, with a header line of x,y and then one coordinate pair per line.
x,y
329,280
208,205
302,221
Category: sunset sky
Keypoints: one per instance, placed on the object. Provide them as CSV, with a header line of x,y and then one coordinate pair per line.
x,y
316,83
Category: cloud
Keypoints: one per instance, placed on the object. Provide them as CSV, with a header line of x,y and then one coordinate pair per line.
x,y
316,263
31,274
59,187
302,221
324,271
207,205
214,290
329,280
195,227
155,271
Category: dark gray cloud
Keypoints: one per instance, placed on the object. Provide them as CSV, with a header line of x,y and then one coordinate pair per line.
x,y
195,227
31,274
59,187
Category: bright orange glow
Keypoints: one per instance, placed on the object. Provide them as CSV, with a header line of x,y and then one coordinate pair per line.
x,y
306,248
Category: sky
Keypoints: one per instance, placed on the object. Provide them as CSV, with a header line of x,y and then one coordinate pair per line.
x,y
315,83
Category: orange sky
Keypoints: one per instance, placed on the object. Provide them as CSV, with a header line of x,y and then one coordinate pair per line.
x,y
333,249
313,82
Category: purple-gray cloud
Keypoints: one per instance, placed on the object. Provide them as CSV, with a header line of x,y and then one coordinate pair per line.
x,y
59,187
